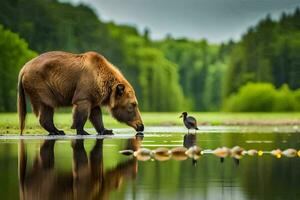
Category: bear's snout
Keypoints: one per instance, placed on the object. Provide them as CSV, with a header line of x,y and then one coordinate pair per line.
x,y
140,127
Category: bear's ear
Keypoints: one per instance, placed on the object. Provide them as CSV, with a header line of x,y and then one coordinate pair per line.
x,y
120,89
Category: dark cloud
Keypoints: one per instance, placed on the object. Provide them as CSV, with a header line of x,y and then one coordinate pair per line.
x,y
215,20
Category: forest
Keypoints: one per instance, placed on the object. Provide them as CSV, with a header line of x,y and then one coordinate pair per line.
x,y
260,72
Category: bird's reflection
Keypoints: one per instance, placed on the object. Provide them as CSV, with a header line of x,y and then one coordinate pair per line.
x,y
190,140
87,179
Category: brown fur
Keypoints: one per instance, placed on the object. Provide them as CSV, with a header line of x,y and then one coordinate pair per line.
x,y
84,81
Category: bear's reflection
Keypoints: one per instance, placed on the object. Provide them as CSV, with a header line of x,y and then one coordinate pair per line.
x,y
87,179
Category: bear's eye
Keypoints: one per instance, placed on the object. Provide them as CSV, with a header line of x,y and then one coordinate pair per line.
x,y
130,108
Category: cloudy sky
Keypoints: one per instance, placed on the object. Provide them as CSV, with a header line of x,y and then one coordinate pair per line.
x,y
215,20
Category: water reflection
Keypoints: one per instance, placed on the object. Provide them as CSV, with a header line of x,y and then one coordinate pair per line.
x,y
190,140
87,180
94,169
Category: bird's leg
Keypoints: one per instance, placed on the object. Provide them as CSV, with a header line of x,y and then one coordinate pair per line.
x,y
222,160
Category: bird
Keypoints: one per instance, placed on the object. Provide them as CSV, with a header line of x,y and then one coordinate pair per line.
x,y
143,154
161,154
178,153
189,121
252,152
277,153
290,153
194,152
222,153
237,153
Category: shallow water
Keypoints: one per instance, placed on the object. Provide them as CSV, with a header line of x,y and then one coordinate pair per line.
x,y
70,168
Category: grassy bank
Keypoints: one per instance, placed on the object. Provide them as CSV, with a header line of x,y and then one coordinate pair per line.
x,y
9,121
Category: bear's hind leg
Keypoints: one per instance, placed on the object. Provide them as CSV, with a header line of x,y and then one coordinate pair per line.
x,y
46,120
81,111
96,119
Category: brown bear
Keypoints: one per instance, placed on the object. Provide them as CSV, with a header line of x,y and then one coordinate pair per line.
x,y
85,81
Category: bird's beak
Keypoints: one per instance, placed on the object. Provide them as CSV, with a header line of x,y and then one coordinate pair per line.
x,y
180,116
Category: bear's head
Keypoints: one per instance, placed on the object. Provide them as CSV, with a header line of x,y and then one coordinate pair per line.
x,y
124,106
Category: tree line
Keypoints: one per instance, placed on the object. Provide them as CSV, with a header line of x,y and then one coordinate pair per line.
x,y
268,52
168,75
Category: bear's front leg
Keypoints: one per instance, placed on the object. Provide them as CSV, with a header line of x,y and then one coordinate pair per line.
x,y
81,111
96,120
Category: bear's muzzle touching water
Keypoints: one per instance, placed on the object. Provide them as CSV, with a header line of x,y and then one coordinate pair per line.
x,y
85,81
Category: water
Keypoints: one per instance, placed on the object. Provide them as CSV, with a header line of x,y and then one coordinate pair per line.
x,y
69,168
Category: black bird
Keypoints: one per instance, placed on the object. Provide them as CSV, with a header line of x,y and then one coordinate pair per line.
x,y
189,121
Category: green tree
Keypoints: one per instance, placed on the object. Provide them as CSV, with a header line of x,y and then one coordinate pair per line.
x,y
158,80
14,53
195,60
268,52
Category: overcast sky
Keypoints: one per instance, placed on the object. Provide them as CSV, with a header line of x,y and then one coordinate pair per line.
x,y
215,20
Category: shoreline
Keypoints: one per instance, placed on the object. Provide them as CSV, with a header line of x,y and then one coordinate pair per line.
x,y
161,130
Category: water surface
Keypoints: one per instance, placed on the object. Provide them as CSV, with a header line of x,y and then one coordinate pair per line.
x,y
70,168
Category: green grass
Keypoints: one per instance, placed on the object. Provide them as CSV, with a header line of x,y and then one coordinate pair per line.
x,y
9,121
